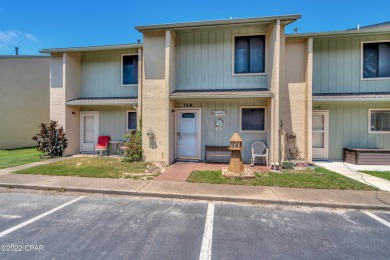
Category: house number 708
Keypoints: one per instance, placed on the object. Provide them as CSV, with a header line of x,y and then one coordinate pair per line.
x,y
187,104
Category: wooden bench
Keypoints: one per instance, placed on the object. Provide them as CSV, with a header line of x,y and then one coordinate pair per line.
x,y
216,151
367,156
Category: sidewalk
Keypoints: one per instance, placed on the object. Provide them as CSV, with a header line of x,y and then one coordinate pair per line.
x,y
216,192
352,171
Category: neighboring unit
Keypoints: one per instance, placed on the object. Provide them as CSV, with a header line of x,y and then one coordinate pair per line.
x,y
351,90
94,92
24,99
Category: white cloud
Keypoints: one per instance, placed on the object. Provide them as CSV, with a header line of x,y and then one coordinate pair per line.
x,y
30,37
15,37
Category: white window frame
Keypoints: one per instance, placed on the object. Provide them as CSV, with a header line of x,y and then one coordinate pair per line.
x,y
361,60
127,119
254,131
369,121
127,85
265,54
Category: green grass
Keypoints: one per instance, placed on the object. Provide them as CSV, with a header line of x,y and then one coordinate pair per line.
x,y
383,175
319,178
10,158
104,167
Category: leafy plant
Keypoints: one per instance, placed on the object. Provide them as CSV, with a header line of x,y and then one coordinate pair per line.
x,y
134,145
51,140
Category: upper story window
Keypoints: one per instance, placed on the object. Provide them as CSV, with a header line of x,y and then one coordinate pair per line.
x,y
249,54
379,120
129,70
376,60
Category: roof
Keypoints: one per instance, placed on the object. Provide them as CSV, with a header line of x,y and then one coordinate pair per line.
x,y
23,56
363,30
362,97
384,25
93,48
221,93
285,19
102,101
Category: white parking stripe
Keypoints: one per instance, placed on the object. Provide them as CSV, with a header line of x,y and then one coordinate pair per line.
x,y
205,251
381,220
10,230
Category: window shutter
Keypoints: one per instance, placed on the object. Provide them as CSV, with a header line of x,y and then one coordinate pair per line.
x,y
370,60
241,55
384,60
256,54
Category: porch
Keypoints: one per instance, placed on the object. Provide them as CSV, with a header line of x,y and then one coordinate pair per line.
x,y
89,118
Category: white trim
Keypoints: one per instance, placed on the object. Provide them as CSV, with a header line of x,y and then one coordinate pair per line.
x,y
361,60
265,54
369,121
253,131
127,119
122,55
96,126
198,110
326,134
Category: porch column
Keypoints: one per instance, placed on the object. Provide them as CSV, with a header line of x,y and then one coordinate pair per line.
x,y
309,98
275,82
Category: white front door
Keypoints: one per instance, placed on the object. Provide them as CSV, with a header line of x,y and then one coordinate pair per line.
x,y
320,134
89,130
188,134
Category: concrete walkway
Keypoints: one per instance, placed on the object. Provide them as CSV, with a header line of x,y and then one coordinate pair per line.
x,y
180,171
352,171
213,192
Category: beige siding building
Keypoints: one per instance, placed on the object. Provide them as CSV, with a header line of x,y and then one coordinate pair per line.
x,y
24,99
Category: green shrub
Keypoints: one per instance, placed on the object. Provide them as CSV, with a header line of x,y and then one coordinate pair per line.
x,y
51,140
134,145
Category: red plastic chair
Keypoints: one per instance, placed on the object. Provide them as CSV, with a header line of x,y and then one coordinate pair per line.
x,y
102,145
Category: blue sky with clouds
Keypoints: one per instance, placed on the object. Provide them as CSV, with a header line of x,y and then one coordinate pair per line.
x,y
34,25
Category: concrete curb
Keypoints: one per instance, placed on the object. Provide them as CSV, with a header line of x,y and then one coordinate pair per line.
x,y
198,197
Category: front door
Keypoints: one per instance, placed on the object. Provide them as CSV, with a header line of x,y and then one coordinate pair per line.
x,y
188,134
320,134
89,131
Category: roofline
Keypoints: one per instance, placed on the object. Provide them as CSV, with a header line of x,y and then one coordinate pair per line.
x,y
214,23
338,33
93,48
23,56
324,99
221,96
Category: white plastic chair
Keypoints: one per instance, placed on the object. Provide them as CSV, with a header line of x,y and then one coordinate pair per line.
x,y
259,149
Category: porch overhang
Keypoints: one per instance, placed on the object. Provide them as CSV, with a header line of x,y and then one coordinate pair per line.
x,y
352,97
103,101
221,93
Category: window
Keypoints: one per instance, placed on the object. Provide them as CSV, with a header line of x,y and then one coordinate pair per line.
x,y
131,120
129,70
252,119
376,60
249,54
379,120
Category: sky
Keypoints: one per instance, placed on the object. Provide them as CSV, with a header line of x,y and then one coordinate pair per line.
x,y
40,24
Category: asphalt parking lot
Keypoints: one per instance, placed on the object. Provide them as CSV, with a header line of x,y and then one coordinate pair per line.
x,y
60,226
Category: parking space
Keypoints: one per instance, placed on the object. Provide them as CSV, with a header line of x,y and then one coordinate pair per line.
x,y
19,207
101,227
269,233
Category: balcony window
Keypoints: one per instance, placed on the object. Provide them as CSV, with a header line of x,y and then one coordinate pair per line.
x,y
129,70
249,54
